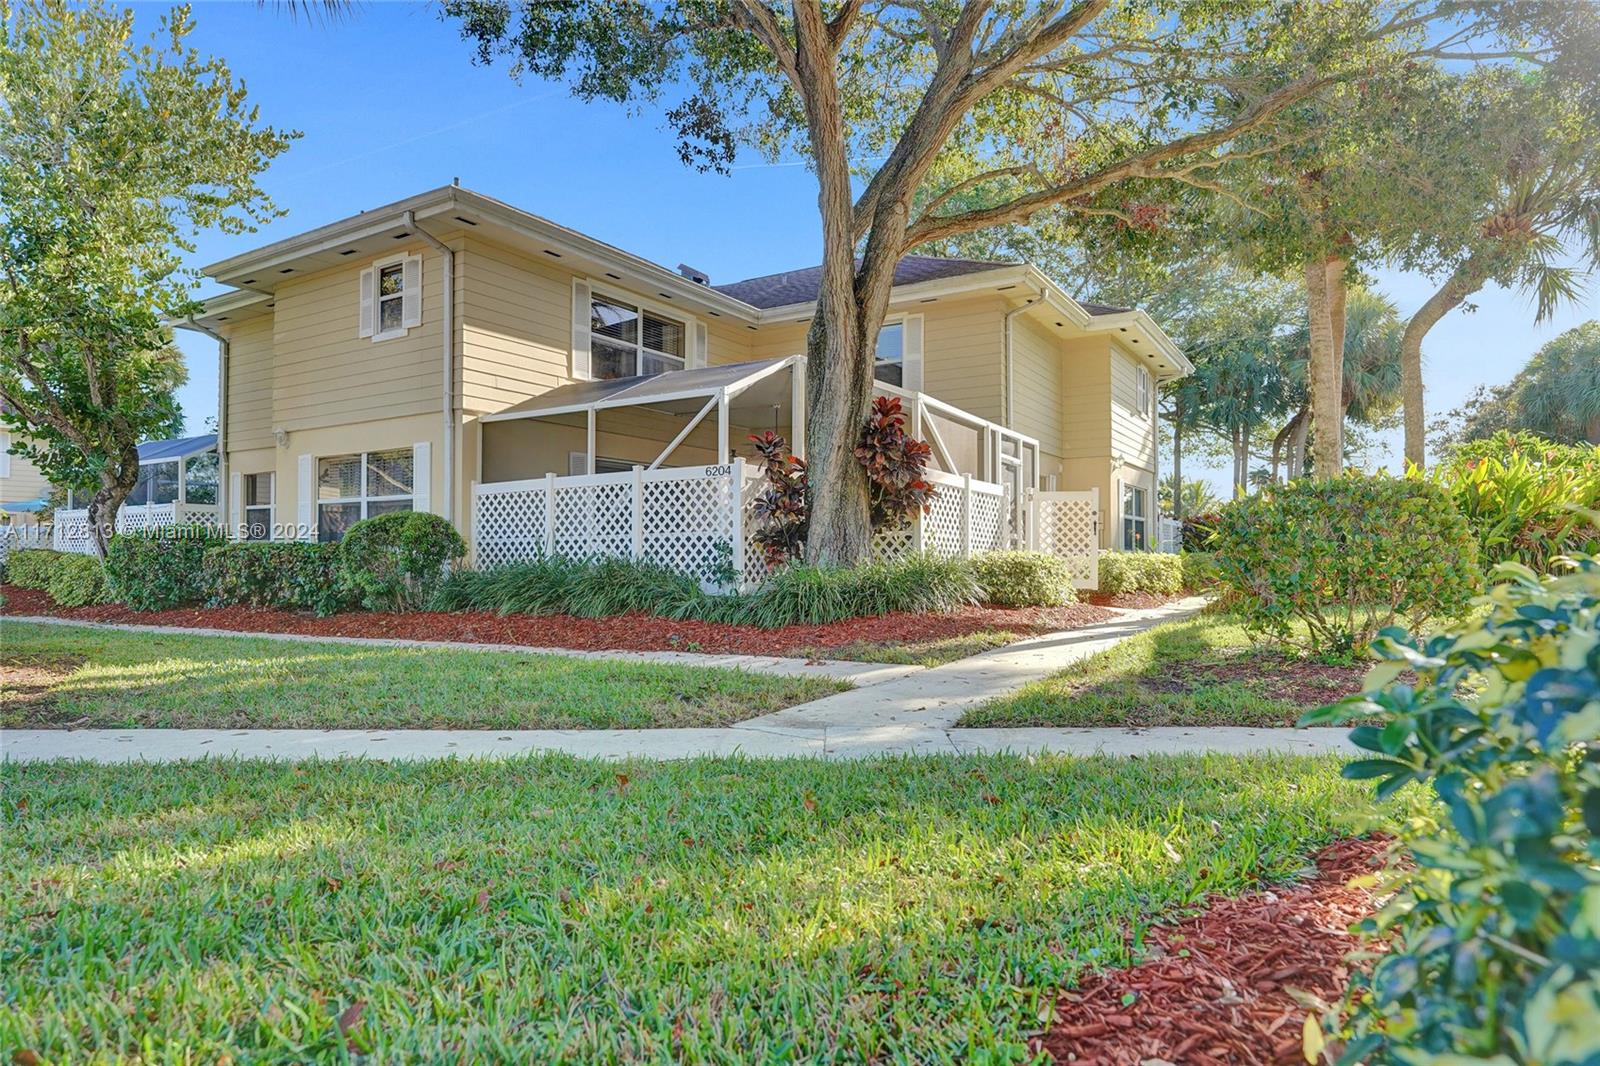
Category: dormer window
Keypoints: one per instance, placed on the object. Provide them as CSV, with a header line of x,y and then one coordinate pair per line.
x,y
627,340
391,297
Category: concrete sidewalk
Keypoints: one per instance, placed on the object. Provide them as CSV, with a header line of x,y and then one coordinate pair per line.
x,y
898,710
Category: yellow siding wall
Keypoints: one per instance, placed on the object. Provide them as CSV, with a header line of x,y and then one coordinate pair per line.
x,y
1132,431
517,327
23,482
250,414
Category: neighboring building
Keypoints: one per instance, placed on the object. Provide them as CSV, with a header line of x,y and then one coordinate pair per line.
x,y
22,488
351,386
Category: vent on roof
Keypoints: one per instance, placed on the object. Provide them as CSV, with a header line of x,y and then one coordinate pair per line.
x,y
348,251
714,314
465,221
1005,288
248,281
553,255
222,318
699,277
665,295
613,277
402,236
287,270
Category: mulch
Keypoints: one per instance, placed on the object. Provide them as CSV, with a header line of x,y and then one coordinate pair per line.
x,y
1302,682
1128,600
1222,987
632,632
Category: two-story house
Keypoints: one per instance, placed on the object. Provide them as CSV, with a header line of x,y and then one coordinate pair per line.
x,y
413,355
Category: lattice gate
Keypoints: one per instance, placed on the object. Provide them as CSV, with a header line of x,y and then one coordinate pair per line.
x,y
1068,524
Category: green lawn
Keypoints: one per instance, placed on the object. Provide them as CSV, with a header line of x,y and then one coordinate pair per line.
x,y
552,909
56,676
934,652
1207,671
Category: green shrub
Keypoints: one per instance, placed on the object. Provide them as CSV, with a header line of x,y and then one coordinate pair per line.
x,y
1346,556
791,594
30,568
77,581
396,561
1159,573
1494,925
290,576
1024,579
1526,499
158,569
1199,570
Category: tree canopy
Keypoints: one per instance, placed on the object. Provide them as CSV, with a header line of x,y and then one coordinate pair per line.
x,y
113,154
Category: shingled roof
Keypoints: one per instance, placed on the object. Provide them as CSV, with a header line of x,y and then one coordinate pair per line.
x,y
801,286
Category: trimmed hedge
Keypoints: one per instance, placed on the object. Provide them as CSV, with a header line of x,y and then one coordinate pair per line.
x,y
1024,579
1346,556
158,569
30,568
288,576
1159,573
77,581
395,561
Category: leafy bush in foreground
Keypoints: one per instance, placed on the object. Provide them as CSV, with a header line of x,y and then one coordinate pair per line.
x,y
1160,573
395,561
1526,499
77,581
289,576
1494,926
1024,579
158,569
30,568
1346,556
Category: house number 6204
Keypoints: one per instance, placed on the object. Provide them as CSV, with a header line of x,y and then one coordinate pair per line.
x,y
718,471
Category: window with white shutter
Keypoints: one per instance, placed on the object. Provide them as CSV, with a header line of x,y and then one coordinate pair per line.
x,y
391,297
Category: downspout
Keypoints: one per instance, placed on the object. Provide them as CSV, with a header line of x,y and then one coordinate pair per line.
x,y
447,330
223,503
1010,372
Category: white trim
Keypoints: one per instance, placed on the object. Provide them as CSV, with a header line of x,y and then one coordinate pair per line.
x,y
410,298
305,497
5,454
582,295
422,476
912,353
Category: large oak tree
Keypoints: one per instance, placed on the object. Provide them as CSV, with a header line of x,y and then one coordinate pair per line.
x,y
926,119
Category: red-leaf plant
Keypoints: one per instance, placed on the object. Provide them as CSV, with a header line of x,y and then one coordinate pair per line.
x,y
895,462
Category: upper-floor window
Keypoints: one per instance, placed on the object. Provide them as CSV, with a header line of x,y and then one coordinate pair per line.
x,y
889,358
1141,391
353,487
626,340
391,297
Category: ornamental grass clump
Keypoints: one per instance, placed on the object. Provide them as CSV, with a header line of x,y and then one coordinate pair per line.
x,y
1493,926
1345,557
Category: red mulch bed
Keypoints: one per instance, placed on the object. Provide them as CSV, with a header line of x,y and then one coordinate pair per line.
x,y
1228,999
1128,599
634,632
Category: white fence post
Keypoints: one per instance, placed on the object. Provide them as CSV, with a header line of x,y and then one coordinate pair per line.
x,y
966,516
638,511
549,514
736,501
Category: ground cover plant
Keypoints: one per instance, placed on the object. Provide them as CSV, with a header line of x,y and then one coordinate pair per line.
x,y
552,909
900,636
1158,573
1328,563
1210,670
1494,926
61,675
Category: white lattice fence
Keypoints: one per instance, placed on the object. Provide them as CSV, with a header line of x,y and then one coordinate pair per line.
x,y
71,533
1067,524
683,518
988,520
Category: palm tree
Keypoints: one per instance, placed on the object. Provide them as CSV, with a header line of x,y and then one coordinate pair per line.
x,y
1537,227
1196,497
1558,393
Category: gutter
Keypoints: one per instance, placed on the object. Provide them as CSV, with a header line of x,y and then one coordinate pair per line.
x,y
1010,375
448,347
223,502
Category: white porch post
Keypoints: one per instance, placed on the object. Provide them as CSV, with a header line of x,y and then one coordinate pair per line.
x,y
797,407
549,513
722,428
589,446
638,511
966,516
736,501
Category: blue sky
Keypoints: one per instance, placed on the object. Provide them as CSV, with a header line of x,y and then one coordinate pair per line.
x,y
391,104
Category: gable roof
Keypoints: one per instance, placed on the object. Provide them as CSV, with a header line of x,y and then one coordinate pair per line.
x,y
801,286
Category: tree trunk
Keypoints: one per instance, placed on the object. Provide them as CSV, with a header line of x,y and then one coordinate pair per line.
x,y
1466,280
117,480
1297,443
1325,297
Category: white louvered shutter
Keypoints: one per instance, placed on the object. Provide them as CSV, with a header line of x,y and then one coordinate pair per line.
x,y
580,329
306,486
911,370
369,302
697,344
236,503
421,476
411,295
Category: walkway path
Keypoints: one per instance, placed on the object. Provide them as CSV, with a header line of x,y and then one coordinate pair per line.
x,y
902,711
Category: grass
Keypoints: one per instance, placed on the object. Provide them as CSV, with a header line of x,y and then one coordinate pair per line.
x,y
555,909
935,652
59,675
1207,671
